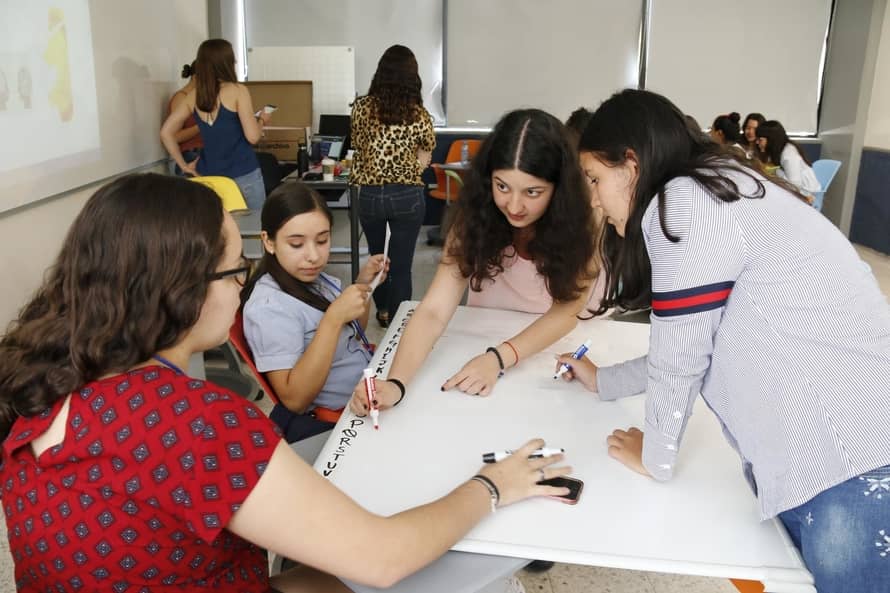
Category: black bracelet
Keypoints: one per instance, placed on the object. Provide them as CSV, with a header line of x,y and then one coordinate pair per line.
x,y
492,490
500,360
401,387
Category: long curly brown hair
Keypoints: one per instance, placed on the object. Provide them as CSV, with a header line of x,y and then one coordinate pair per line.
x,y
396,87
562,248
130,281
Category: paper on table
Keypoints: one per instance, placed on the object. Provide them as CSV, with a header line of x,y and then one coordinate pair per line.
x,y
379,277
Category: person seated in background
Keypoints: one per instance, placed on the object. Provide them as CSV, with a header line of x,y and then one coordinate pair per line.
x,y
749,132
189,137
725,131
576,123
305,332
154,480
779,150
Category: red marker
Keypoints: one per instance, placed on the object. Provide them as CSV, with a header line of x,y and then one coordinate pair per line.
x,y
371,390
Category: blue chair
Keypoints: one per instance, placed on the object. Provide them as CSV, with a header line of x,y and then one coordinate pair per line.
x,y
825,170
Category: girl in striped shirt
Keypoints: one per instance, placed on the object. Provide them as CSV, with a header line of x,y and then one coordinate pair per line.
x,y
760,304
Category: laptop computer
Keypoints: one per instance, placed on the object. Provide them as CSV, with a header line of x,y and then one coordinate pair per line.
x,y
327,146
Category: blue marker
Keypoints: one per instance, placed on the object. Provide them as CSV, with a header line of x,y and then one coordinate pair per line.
x,y
581,351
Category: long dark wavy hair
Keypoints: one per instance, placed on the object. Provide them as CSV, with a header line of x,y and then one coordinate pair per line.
x,y
396,87
289,199
214,65
130,281
665,148
776,141
562,247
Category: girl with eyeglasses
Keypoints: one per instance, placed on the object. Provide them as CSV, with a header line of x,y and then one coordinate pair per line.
x,y
119,471
304,330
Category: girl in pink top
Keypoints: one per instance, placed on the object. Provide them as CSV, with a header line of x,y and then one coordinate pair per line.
x,y
523,236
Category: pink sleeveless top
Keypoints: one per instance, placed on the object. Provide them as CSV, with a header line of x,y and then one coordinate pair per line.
x,y
521,288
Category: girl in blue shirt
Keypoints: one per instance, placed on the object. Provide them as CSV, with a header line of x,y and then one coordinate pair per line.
x,y
305,332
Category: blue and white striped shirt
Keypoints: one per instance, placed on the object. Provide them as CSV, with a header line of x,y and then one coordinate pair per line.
x,y
764,308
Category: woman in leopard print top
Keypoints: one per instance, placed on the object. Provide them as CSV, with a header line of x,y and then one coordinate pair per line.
x,y
393,138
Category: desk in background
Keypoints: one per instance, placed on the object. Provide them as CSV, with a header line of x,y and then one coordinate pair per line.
x,y
704,522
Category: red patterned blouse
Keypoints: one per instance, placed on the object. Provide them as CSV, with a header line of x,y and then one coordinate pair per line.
x,y
137,495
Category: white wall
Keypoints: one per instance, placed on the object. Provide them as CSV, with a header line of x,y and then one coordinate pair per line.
x,y
32,235
877,131
31,238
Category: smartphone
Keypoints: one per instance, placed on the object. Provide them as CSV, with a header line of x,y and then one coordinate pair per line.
x,y
269,108
575,486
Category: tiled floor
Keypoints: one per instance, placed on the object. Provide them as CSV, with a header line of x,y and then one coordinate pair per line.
x,y
562,578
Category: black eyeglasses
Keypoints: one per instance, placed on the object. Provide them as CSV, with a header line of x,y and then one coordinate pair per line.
x,y
239,275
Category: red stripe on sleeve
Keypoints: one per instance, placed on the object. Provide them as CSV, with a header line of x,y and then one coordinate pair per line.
x,y
699,299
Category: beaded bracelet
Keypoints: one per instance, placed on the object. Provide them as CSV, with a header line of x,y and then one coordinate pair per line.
x,y
492,490
500,360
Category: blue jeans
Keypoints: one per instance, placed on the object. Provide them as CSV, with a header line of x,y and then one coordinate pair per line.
x,y
843,534
252,188
403,207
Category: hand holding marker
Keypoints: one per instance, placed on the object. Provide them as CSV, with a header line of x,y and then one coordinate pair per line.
x,y
581,351
371,390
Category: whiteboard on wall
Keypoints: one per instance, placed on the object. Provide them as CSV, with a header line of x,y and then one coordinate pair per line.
x,y
712,58
330,68
84,86
557,56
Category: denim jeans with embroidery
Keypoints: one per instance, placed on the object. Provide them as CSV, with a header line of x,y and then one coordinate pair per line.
x,y
843,534
402,206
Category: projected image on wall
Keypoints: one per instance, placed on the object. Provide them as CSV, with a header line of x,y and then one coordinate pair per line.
x,y
48,107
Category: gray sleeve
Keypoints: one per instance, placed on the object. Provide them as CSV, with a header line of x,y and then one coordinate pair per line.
x,y
276,337
623,379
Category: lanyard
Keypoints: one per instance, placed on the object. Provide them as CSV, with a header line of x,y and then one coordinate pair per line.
x,y
356,326
168,364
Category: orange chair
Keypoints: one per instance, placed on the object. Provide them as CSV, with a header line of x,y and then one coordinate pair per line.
x,y
442,190
239,342
294,426
448,183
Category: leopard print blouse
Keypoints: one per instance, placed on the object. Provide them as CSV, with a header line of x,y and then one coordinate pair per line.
x,y
387,153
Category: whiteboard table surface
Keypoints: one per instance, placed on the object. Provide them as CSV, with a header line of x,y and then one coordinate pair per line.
x,y
704,521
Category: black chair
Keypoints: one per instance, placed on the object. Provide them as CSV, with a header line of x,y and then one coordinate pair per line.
x,y
270,170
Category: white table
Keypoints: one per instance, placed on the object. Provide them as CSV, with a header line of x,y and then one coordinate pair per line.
x,y
703,522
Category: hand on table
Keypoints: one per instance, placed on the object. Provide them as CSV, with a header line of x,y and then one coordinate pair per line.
x,y
627,447
582,369
517,476
477,377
